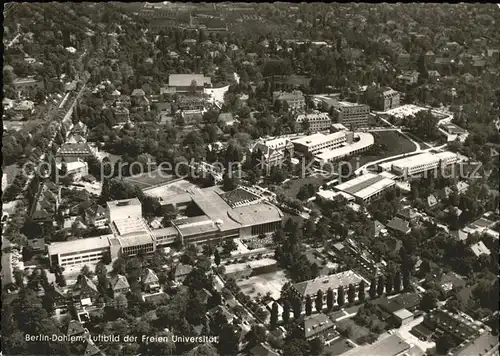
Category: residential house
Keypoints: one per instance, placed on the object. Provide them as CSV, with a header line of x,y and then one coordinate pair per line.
x,y
181,272
27,87
379,228
399,225
295,99
96,216
408,214
46,203
59,298
431,201
479,249
317,121
119,285
227,118
389,99
462,187
86,290
75,329
433,75
121,114
138,98
150,281
408,78
318,326
221,310
449,281
77,169
25,108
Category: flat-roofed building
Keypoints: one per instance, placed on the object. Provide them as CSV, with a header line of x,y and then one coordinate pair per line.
x,y
133,235
366,187
423,162
334,281
77,169
356,143
351,114
318,142
77,150
184,83
79,252
165,236
123,209
318,121
390,346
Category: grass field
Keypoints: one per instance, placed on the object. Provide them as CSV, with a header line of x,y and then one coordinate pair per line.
x,y
264,283
291,188
394,143
355,331
149,179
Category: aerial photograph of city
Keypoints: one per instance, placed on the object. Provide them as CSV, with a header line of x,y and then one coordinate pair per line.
x,y
250,179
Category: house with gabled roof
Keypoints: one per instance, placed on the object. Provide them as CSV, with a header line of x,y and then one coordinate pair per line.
x,y
181,272
96,216
86,290
75,328
119,285
431,201
399,225
150,281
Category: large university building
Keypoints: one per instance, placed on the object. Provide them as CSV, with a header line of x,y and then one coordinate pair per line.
x,y
423,162
351,114
131,235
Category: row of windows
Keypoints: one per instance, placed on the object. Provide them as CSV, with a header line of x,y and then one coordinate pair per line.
x,y
86,252
80,262
99,254
266,228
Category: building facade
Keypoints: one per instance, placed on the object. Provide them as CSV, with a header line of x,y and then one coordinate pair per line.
x,y
318,121
318,142
390,99
351,114
295,99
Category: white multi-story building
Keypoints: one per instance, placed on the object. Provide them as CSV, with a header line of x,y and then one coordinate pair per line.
x,y
318,142
318,121
77,169
351,114
423,162
124,209
294,99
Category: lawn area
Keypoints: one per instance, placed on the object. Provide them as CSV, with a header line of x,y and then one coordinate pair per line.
x,y
291,188
337,347
394,143
149,179
355,332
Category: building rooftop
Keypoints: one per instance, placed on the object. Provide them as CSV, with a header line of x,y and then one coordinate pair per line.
x,y
79,245
365,185
119,282
485,342
365,140
399,224
185,80
129,226
333,281
403,313
318,138
316,324
123,202
390,346
479,249
255,214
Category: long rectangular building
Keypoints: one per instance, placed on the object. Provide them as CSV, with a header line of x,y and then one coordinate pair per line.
x,y
423,162
366,187
318,142
351,114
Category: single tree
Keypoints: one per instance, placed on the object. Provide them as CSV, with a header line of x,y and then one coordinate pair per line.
x,y
361,291
388,284
308,305
330,299
373,289
351,293
274,315
285,315
397,282
380,286
340,296
319,301
217,257
297,307
406,280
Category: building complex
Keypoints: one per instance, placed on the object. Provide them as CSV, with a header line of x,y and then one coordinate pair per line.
x,y
130,234
351,114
